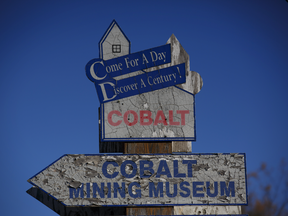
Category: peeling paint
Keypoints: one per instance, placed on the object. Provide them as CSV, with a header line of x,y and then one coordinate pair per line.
x,y
194,82
167,100
73,180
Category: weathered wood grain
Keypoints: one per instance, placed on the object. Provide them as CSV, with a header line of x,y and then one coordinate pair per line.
x,y
149,148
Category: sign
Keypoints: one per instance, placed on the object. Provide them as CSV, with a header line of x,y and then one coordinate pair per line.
x,y
165,114
152,180
98,70
117,89
105,74
144,96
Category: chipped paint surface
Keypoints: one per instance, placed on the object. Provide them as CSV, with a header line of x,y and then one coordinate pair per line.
x,y
207,210
194,81
168,100
72,180
182,146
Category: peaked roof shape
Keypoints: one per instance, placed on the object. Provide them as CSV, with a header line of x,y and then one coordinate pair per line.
x,y
113,36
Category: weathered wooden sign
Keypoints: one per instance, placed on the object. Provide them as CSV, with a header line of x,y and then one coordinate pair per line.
x,y
112,89
148,95
165,114
99,70
169,179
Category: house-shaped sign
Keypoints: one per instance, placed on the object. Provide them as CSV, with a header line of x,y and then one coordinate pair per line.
x,y
147,95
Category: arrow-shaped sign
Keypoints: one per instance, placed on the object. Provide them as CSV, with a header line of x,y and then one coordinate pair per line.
x,y
165,179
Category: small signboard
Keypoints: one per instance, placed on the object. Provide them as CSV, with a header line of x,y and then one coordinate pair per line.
x,y
144,96
99,70
165,114
112,89
152,180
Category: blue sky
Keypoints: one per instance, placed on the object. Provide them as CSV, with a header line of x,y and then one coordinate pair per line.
x,y
49,107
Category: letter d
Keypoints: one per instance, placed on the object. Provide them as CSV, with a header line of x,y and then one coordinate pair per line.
x,y
153,52
104,92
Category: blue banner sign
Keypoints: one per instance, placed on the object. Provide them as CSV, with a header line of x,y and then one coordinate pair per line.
x,y
98,70
117,89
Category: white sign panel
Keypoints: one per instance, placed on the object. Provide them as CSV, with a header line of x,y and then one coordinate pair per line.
x,y
169,179
165,114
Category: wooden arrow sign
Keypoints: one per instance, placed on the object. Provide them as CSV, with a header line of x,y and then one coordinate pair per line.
x,y
151,180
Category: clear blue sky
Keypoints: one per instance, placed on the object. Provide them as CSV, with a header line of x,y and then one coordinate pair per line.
x,y
49,107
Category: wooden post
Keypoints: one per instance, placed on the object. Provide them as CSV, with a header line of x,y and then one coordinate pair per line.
x,y
149,148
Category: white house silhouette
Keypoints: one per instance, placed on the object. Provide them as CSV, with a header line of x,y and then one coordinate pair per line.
x,y
114,43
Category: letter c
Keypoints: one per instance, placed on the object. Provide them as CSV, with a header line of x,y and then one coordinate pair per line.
x,y
104,169
148,80
110,118
92,72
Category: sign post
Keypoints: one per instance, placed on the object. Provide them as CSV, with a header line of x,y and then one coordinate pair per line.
x,y
147,112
